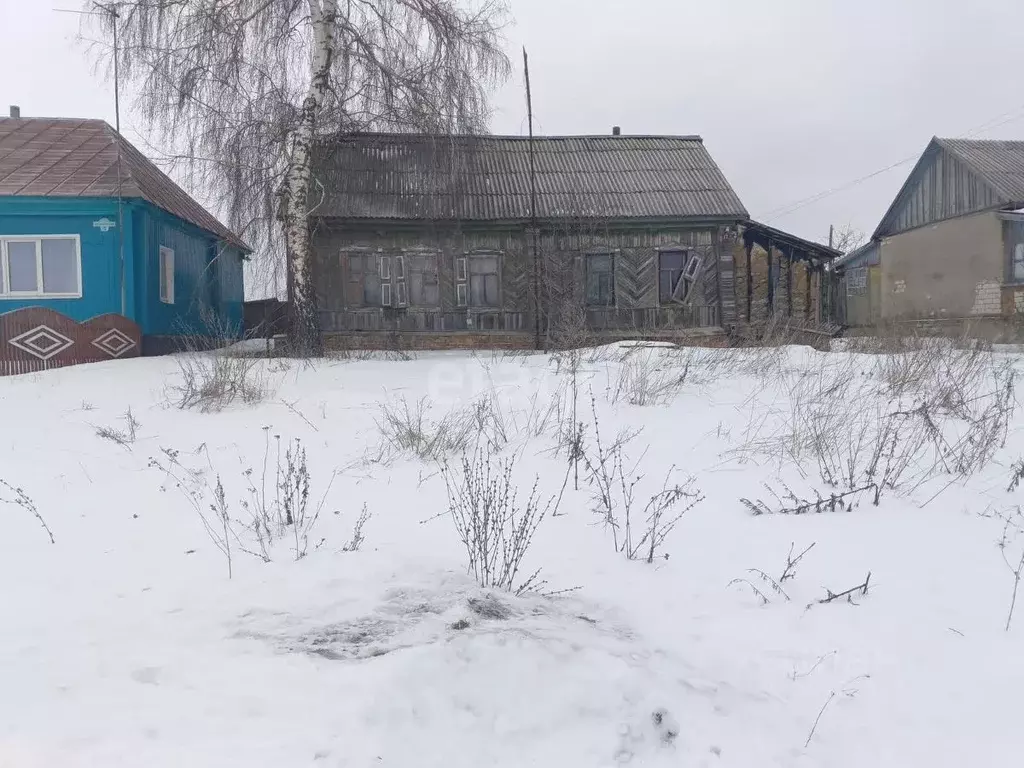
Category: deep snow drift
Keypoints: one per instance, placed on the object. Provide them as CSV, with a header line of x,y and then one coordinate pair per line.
x,y
124,643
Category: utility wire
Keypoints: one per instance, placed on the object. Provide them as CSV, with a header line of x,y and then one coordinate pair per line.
x,y
796,205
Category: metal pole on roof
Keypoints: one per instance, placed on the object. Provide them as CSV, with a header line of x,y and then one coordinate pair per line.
x,y
534,234
110,10
117,129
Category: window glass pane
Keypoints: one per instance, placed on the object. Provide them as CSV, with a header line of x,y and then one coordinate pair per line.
x,y
481,265
21,264
666,282
166,275
476,290
371,290
60,266
3,280
1018,262
431,296
355,268
600,280
673,259
491,290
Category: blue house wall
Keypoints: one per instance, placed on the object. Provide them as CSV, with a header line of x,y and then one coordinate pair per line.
x,y
207,272
99,250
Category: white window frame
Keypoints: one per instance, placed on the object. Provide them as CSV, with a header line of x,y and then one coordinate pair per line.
x,y
166,290
9,295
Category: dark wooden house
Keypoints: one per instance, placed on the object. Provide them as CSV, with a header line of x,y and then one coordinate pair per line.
x,y
448,241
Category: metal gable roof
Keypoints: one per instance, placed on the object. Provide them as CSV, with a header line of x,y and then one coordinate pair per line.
x,y
424,177
1000,163
50,157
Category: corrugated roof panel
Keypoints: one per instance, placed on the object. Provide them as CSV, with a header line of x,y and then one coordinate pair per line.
x,y
488,177
1000,163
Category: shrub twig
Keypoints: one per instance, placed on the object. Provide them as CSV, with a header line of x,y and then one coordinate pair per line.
x,y
22,499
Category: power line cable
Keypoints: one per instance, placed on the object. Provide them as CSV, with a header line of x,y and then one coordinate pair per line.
x,y
796,205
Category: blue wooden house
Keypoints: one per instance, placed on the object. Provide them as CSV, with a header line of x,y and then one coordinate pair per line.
x,y
90,228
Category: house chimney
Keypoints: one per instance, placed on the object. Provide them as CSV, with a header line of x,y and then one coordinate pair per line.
x,y
15,110
616,131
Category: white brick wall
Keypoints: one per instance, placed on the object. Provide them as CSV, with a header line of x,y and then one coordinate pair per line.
x,y
986,298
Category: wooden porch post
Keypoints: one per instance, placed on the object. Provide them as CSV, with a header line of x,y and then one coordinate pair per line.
x,y
771,283
750,279
789,283
807,297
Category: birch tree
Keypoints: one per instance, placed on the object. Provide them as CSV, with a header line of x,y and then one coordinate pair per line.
x,y
237,93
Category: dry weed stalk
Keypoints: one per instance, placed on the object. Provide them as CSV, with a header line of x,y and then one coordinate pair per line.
x,y
23,500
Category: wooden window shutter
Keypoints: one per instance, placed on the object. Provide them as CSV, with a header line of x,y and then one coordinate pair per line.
x,y
461,278
402,293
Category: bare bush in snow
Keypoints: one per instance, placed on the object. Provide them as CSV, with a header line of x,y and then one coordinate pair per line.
x,y
861,429
354,543
789,572
277,500
207,499
211,376
494,527
611,482
769,583
788,503
645,375
18,498
408,429
638,533
489,422
123,437
1016,474
645,536
294,494
1012,553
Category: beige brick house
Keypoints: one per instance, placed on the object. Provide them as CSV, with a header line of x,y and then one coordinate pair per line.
x,y
951,246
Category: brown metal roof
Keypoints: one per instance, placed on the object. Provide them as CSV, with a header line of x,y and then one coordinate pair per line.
x,y
50,157
408,176
1000,163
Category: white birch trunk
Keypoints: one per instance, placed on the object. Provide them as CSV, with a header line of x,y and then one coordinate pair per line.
x,y
305,323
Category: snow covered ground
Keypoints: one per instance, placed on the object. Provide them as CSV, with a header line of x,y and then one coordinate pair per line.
x,y
124,643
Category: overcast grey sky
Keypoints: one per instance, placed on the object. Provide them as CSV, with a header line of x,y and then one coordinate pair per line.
x,y
793,97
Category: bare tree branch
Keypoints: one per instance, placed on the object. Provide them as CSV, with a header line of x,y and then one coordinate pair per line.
x,y
237,92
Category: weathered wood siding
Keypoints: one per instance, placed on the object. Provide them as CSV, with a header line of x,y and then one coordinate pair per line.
x,y
940,187
636,259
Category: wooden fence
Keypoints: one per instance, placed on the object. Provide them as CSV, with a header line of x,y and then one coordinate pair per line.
x,y
37,339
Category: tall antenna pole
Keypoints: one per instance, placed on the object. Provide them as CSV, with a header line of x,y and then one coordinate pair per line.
x,y
535,234
117,129
110,10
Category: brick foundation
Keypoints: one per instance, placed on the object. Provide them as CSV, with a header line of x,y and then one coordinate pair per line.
x,y
336,342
